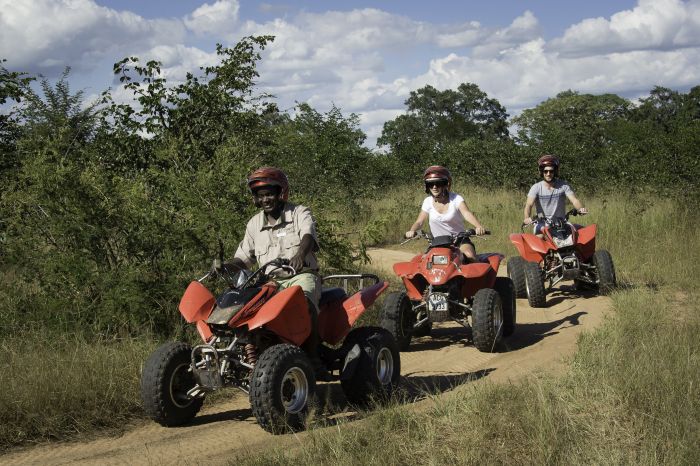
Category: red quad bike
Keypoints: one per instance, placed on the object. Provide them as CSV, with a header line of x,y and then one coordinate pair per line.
x,y
441,285
251,337
567,252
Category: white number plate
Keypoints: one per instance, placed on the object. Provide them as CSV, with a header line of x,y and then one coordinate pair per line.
x,y
437,302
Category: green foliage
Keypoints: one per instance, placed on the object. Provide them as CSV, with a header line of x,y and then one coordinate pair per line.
x,y
13,87
436,119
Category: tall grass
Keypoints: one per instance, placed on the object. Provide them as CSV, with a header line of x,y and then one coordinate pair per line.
x,y
61,386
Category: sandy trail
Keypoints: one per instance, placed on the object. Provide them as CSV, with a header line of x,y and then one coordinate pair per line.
x,y
542,340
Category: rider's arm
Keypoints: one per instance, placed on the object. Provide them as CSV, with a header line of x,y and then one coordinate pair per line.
x,y
307,245
574,200
422,217
471,218
529,202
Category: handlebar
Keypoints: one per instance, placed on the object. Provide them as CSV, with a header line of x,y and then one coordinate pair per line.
x,y
458,236
279,263
542,218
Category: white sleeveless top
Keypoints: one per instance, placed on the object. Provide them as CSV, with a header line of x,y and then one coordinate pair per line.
x,y
449,223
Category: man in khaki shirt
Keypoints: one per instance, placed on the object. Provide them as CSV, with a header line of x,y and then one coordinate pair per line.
x,y
284,230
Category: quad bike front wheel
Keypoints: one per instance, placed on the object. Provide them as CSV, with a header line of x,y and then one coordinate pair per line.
x,y
534,285
516,272
376,361
398,318
504,288
281,388
165,381
605,271
487,320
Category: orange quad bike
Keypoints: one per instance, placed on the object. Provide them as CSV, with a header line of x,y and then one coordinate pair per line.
x,y
442,285
564,252
251,337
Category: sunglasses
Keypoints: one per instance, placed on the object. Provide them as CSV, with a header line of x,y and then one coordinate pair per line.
x,y
547,171
432,184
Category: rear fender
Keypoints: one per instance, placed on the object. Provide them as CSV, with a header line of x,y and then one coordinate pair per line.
x,y
337,319
286,314
585,245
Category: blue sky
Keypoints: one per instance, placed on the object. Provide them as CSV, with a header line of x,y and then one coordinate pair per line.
x,y
366,56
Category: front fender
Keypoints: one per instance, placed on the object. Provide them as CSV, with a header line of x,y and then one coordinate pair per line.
x,y
529,246
286,314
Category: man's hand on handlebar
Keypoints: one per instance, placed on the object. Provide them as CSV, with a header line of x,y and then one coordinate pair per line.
x,y
410,234
480,230
582,211
297,262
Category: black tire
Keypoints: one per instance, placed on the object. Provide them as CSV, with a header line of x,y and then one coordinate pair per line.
x,y
487,317
516,273
504,287
281,388
534,285
165,381
378,370
605,271
398,318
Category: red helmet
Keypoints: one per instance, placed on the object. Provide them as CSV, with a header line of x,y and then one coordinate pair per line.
x,y
548,161
269,176
437,173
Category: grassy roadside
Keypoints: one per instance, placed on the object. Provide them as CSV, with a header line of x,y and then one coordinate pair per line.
x,y
58,386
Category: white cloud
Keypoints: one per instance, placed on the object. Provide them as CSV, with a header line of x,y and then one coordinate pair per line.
x,y
219,18
44,36
367,61
651,25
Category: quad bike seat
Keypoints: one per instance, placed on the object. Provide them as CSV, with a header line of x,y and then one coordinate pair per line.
x,y
485,257
329,295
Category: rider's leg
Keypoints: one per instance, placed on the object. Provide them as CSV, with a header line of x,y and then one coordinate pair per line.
x,y
468,251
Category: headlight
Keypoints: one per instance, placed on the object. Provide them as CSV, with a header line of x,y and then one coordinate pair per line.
x,y
440,260
562,242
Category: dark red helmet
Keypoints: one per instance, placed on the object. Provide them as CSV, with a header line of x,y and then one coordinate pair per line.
x,y
548,161
269,176
437,173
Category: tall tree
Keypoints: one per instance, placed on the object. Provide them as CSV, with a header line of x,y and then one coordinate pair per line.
x,y
435,119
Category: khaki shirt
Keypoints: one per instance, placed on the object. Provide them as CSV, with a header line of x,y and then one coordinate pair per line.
x,y
263,242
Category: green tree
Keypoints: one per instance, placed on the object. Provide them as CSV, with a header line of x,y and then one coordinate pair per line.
x,y
13,87
576,127
436,119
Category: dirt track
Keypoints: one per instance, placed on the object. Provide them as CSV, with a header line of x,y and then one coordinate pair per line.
x,y
542,339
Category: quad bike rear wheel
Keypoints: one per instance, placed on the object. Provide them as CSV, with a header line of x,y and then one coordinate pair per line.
x,y
605,271
504,287
377,370
534,285
398,318
281,388
165,381
516,273
487,317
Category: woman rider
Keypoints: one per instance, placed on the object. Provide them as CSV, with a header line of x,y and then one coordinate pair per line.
x,y
445,210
